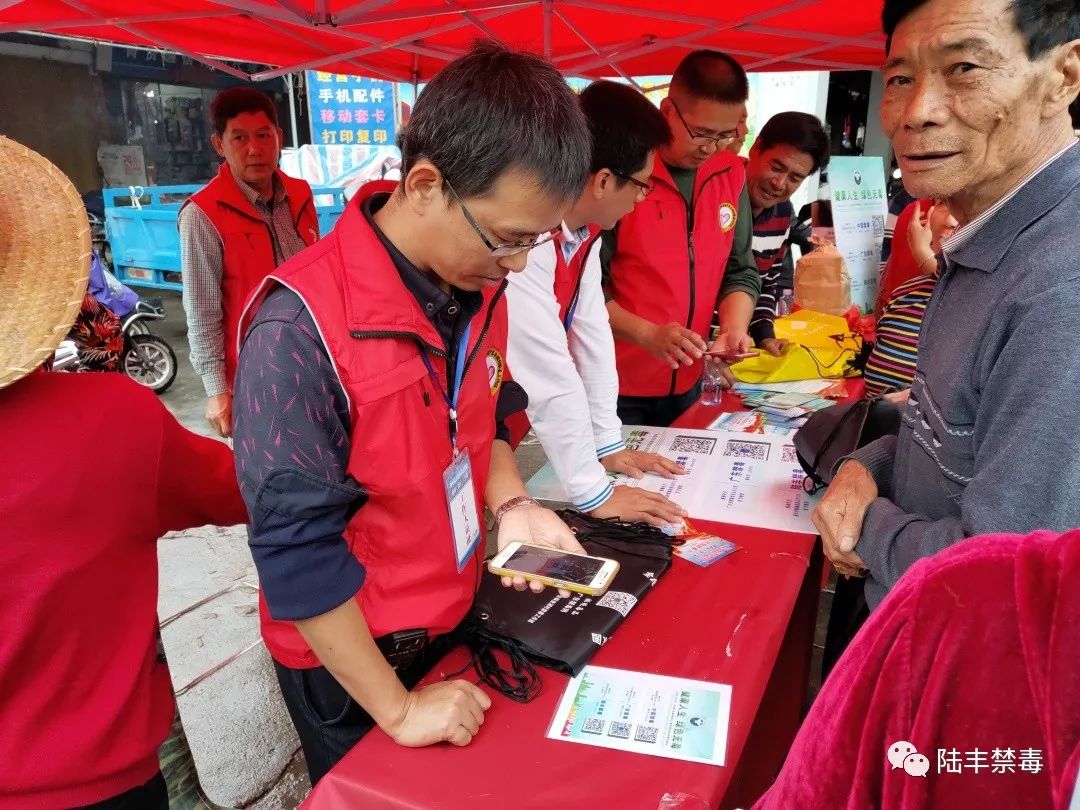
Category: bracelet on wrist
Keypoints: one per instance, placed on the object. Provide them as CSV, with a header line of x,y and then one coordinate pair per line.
x,y
511,505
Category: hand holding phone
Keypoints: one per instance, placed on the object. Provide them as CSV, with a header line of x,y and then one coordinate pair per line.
x,y
560,569
730,346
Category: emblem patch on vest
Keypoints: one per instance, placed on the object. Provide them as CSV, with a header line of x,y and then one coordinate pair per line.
x,y
495,367
728,217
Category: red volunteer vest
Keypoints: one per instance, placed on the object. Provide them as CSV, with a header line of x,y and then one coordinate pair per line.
x,y
374,329
664,271
248,248
567,290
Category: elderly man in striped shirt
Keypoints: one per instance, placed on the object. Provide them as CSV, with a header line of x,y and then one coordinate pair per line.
x,y
790,147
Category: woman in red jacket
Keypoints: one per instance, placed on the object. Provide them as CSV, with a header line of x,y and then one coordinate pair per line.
x,y
96,470
960,691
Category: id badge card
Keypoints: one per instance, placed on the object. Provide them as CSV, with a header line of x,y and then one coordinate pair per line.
x,y
461,500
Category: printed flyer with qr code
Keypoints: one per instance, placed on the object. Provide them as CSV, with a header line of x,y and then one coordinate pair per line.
x,y
731,477
659,715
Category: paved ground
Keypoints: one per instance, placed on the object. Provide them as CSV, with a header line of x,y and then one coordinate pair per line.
x,y
243,743
185,398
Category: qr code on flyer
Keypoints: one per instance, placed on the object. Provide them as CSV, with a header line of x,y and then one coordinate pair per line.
x,y
619,730
593,725
790,456
879,225
702,445
741,448
646,734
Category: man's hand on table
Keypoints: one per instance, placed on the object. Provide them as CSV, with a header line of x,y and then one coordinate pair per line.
x,y
533,524
448,711
840,513
634,505
635,463
673,343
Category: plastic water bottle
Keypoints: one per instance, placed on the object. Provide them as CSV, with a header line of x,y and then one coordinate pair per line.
x,y
712,384
786,303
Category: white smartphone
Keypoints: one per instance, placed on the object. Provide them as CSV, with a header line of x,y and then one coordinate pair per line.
x,y
559,569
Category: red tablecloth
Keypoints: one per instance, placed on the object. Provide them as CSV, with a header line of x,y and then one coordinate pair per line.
x,y
747,620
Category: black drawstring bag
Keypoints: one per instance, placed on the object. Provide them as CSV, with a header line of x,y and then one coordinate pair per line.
x,y
562,634
831,434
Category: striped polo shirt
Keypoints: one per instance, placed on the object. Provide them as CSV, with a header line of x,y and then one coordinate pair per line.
x,y
891,366
771,230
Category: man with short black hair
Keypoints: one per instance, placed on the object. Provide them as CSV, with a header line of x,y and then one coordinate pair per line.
x,y
790,147
977,105
687,253
370,406
560,345
248,220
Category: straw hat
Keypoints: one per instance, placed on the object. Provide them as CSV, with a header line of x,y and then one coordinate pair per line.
x,y
44,259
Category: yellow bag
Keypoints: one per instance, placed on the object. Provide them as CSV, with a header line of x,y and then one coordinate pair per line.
x,y
801,362
809,328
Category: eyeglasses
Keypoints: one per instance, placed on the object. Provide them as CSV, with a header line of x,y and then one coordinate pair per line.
x,y
501,250
644,189
719,141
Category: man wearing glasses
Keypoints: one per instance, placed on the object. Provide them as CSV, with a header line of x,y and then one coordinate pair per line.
x,y
369,401
686,251
560,346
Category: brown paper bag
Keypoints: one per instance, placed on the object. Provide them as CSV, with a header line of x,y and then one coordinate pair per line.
x,y
822,282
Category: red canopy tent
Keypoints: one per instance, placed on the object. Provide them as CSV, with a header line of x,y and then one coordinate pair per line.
x,y
409,40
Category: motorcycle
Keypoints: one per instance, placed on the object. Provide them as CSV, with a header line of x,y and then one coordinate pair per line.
x,y
148,359
145,357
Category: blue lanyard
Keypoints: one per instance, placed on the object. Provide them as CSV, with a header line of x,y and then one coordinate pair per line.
x,y
568,321
452,396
